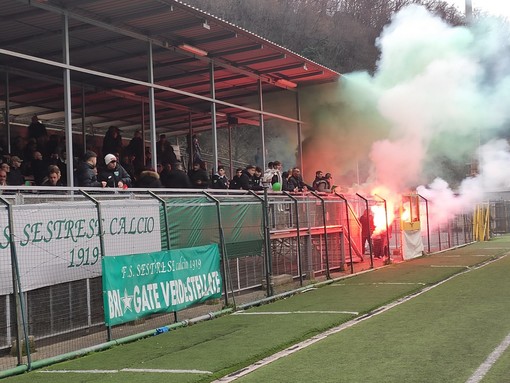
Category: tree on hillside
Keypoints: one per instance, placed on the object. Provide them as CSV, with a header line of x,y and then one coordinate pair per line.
x,y
339,34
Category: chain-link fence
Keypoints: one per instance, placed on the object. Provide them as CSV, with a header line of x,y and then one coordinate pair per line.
x,y
51,246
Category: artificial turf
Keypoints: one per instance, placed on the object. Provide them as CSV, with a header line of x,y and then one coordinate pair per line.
x,y
439,336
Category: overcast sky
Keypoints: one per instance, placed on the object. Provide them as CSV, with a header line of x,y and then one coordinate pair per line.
x,y
497,7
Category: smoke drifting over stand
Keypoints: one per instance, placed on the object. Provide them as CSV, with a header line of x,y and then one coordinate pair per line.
x,y
436,103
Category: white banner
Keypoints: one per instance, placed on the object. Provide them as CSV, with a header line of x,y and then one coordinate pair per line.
x,y
412,244
58,243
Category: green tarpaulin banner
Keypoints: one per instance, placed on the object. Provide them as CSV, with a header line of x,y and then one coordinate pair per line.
x,y
138,285
194,222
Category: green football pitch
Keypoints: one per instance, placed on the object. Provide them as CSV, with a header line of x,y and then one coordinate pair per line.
x,y
439,318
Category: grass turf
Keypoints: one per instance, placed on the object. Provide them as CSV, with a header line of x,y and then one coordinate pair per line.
x,y
440,336
231,342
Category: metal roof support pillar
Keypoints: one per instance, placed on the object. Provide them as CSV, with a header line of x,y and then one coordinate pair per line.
x,y
299,135
190,142
152,109
142,123
231,162
213,119
67,102
262,130
469,11
83,129
7,112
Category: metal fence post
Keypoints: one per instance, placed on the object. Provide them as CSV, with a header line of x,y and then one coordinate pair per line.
x,y
298,237
21,320
323,202
101,242
428,225
165,217
222,244
439,236
369,232
348,229
387,231
267,239
167,228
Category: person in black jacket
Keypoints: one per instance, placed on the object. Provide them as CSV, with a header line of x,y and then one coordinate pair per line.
x,y
235,181
175,177
220,180
165,152
15,177
114,175
149,179
296,183
198,176
54,177
112,142
39,167
135,149
86,171
247,179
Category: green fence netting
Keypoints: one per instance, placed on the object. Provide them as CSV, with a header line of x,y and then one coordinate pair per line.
x,y
193,221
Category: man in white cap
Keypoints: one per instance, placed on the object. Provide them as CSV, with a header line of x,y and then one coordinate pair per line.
x,y
114,175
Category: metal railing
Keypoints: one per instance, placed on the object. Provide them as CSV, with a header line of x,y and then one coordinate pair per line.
x,y
303,237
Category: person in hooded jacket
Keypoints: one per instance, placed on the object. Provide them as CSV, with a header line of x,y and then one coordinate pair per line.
x,y
148,179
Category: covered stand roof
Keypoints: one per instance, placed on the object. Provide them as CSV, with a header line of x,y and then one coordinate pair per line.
x,y
109,56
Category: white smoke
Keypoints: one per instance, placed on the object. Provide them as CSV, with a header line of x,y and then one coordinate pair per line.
x,y
442,90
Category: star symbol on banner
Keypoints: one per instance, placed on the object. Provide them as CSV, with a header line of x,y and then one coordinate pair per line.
x,y
126,299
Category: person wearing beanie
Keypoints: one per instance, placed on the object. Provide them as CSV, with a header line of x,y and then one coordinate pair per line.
x,y
114,175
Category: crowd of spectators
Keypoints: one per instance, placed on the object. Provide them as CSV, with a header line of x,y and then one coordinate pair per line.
x,y
40,160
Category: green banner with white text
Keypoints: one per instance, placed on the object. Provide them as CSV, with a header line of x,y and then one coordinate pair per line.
x,y
138,285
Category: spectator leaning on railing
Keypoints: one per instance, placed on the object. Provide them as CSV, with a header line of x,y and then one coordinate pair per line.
x,y
86,171
114,175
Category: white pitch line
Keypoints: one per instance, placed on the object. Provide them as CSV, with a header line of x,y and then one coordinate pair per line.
x,y
143,370
450,266
79,371
293,312
159,370
308,342
379,283
489,362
